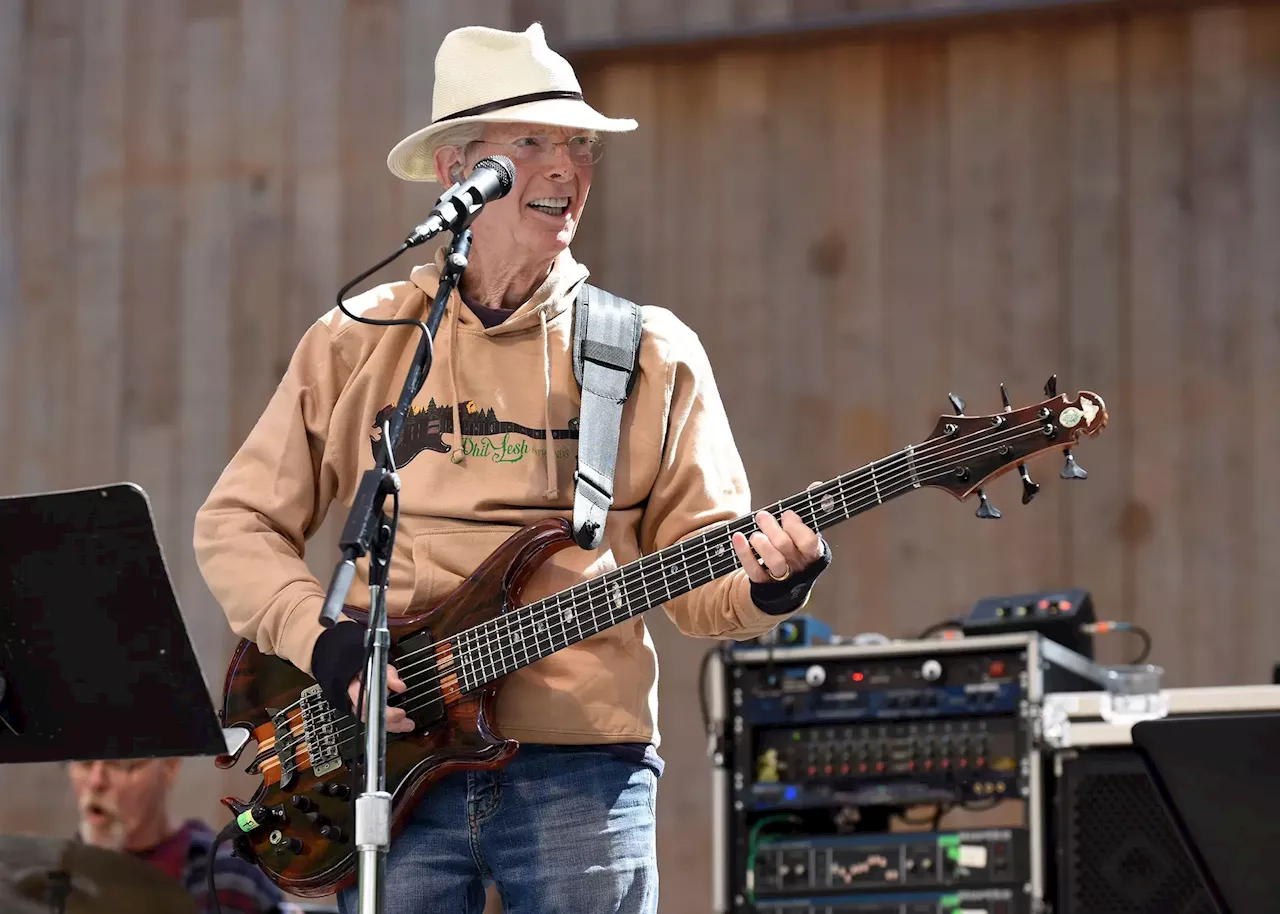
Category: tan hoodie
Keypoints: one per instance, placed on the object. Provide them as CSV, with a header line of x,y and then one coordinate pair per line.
x,y
511,391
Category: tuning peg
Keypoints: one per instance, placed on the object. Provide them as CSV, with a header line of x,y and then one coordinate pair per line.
x,y
1071,469
1004,397
1051,386
985,508
1029,488
957,404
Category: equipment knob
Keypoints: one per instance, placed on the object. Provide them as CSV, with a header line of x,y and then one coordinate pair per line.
x,y
815,676
931,670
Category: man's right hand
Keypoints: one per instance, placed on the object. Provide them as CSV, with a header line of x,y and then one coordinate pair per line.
x,y
397,720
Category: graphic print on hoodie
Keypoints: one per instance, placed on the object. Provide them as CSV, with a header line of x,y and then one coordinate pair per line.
x,y
484,434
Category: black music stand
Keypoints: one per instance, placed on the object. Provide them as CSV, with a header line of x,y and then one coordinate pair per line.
x,y
94,655
1216,776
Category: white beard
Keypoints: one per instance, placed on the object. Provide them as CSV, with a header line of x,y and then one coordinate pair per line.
x,y
109,837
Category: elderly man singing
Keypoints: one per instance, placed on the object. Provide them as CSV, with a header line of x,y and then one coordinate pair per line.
x,y
568,824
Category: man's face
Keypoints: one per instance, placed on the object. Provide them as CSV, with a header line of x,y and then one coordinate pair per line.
x,y
122,803
554,168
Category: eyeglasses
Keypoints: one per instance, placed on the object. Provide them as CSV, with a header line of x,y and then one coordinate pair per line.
x,y
119,767
583,150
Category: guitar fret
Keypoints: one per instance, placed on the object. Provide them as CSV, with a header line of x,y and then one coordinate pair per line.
x,y
557,621
460,663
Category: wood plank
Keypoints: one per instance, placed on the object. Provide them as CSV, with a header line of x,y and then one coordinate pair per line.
x,y
1158,240
763,12
591,20
738,87
917,525
797,428
624,180
260,121
1097,316
1263,27
99,240
155,38
1217,550
13,62
973,338
855,598
1031,322
638,18
372,112
709,15
47,208
550,13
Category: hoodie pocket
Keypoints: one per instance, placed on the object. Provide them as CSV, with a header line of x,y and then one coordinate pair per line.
x,y
444,558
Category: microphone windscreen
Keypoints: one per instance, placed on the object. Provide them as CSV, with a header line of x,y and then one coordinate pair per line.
x,y
505,168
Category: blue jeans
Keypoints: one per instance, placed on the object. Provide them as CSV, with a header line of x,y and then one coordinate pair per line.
x,y
559,831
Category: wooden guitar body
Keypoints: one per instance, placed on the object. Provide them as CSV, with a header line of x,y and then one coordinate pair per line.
x,y
307,845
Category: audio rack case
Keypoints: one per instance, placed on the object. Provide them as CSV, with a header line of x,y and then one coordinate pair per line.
x,y
1047,668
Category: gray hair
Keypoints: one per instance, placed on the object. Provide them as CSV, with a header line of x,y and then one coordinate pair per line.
x,y
458,136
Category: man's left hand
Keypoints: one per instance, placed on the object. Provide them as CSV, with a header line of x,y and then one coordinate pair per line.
x,y
785,548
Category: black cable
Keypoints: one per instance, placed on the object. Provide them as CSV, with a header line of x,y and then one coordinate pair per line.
x,y
939,626
227,833
1104,627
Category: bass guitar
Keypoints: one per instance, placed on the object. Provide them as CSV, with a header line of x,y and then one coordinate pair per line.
x,y
453,657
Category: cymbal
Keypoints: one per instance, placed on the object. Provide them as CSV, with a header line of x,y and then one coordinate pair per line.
x,y
101,881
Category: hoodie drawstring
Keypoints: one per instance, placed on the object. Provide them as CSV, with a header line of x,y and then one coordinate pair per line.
x,y
457,456
553,485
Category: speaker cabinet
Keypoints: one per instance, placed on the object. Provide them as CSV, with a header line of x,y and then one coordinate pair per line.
x,y
1118,851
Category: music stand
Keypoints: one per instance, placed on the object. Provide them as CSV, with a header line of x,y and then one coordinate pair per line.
x,y
94,655
1216,776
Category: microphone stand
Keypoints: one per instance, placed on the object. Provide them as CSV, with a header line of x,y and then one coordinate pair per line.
x,y
368,531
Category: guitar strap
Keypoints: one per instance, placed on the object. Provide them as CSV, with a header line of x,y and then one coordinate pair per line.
x,y
606,345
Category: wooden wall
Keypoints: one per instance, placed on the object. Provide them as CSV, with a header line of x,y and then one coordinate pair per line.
x,y
855,227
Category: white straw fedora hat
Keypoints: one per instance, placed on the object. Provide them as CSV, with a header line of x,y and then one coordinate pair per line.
x,y
485,74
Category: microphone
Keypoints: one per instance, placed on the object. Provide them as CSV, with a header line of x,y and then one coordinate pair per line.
x,y
491,179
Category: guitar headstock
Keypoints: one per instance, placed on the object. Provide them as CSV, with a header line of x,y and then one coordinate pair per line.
x,y
964,453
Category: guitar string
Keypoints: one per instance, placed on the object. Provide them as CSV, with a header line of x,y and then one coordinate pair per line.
x,y
500,652
926,452
919,460
728,566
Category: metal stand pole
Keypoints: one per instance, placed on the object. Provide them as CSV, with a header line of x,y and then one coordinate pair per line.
x,y
373,807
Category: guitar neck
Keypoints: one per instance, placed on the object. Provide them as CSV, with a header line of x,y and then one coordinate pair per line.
x,y
505,644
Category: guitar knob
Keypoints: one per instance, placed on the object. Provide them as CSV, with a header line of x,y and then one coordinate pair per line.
x,y
338,791
294,845
301,803
333,833
317,819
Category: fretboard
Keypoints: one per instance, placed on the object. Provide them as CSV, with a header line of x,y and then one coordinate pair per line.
x,y
517,639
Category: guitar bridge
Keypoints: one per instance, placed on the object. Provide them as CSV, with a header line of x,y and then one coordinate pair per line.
x,y
318,726
286,746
